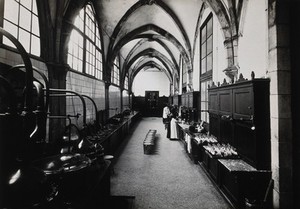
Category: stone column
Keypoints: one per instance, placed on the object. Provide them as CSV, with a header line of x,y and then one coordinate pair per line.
x,y
295,85
106,101
121,98
279,71
57,105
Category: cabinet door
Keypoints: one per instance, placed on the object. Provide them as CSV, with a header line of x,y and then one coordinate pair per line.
x,y
214,125
175,100
213,102
191,100
243,103
182,100
226,131
246,142
225,103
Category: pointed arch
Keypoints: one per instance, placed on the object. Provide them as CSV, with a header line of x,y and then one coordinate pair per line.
x,y
153,53
138,32
149,63
164,7
145,38
112,49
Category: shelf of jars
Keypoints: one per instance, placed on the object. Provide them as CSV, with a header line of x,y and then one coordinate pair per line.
x,y
211,153
198,142
191,134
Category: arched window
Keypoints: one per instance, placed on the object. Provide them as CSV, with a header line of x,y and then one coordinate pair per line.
x,y
126,82
84,48
184,74
115,77
20,18
206,63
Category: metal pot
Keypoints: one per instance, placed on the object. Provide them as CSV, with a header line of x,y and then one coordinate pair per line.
x,y
68,171
26,187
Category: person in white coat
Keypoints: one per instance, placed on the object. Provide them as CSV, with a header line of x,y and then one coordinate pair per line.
x,y
173,125
173,129
166,116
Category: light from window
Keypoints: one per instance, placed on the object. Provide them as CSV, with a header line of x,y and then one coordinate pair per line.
x,y
207,47
116,71
75,51
204,99
184,73
206,43
115,76
126,82
79,20
21,20
85,44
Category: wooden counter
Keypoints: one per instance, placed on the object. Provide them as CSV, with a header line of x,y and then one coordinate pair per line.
x,y
240,181
115,136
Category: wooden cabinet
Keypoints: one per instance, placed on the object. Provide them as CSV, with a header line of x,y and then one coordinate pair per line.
x,y
240,115
243,102
213,101
225,102
240,181
170,100
191,102
177,100
190,99
211,164
184,100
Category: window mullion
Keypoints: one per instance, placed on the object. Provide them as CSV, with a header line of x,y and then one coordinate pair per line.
x,y
95,50
84,43
18,28
30,32
205,60
91,54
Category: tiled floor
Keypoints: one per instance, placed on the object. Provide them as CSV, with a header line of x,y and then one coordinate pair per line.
x,y
167,179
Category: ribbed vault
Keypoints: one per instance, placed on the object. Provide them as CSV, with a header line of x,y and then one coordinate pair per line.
x,y
133,29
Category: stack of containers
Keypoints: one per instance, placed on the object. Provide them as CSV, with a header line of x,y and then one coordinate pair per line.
x,y
149,142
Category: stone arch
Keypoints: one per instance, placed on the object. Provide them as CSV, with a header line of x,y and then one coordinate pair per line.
x,y
137,34
130,11
153,53
149,63
147,37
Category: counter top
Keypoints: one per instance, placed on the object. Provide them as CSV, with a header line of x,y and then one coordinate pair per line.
x,y
183,125
106,133
237,165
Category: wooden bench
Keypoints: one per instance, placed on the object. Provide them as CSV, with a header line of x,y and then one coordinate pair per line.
x,y
149,142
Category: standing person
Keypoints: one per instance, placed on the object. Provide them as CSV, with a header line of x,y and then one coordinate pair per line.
x,y
166,113
173,124
166,119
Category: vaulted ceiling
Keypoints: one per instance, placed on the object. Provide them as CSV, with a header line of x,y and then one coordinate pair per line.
x,y
157,33
149,33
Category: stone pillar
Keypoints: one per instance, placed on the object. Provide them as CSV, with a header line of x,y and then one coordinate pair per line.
x,y
295,76
190,80
121,98
57,105
231,71
130,99
106,101
279,71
